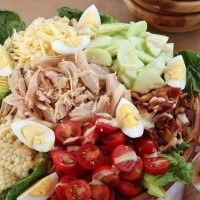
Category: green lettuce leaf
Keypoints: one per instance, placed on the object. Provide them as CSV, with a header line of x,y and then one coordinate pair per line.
x,y
19,187
192,62
179,171
75,13
9,21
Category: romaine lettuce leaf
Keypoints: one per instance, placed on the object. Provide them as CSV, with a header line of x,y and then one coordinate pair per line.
x,y
179,171
9,21
192,62
75,13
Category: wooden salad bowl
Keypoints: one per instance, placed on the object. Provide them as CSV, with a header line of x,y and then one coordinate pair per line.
x,y
164,19
194,136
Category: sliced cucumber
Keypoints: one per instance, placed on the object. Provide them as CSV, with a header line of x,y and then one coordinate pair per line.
x,y
115,67
147,80
145,35
110,29
157,65
99,56
139,42
144,57
100,42
167,53
117,41
136,28
156,43
127,57
126,80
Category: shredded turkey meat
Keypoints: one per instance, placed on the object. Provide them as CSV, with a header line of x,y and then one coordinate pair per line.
x,y
167,114
58,87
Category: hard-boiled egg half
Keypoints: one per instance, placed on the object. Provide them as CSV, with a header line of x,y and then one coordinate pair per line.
x,y
41,190
129,119
71,44
6,66
175,73
89,21
34,135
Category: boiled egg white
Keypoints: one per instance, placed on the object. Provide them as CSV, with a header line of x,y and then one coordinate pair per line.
x,y
6,66
175,73
129,119
41,190
70,45
34,135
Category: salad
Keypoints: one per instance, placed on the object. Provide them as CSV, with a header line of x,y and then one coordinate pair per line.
x,y
92,108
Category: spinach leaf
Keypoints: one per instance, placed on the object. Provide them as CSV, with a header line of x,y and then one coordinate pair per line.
x,y
23,184
192,62
9,21
3,194
75,13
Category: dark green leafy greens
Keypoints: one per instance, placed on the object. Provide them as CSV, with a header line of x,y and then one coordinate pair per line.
x,y
9,21
75,13
192,62
179,171
3,194
23,184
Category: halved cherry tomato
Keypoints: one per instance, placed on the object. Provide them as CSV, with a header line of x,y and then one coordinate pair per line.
x,y
113,139
63,160
136,172
90,134
145,146
68,129
62,185
156,166
78,190
107,174
112,194
54,197
129,189
73,149
89,156
122,158
107,152
100,192
103,127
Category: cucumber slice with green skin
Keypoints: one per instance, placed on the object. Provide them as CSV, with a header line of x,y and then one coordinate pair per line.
x,y
147,80
99,56
127,57
136,28
145,35
117,41
139,42
100,42
167,53
157,65
156,43
115,67
144,57
113,28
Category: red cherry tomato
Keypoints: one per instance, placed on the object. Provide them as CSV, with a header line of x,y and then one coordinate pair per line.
x,y
122,160
54,197
103,127
136,172
107,174
78,190
90,134
100,192
63,160
62,185
107,152
129,189
68,130
89,156
112,194
156,166
113,139
145,146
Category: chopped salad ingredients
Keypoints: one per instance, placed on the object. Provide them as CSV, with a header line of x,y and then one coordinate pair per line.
x,y
92,108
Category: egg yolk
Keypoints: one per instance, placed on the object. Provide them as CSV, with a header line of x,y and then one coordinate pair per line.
x,y
34,134
176,71
128,116
89,18
43,187
5,61
74,41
